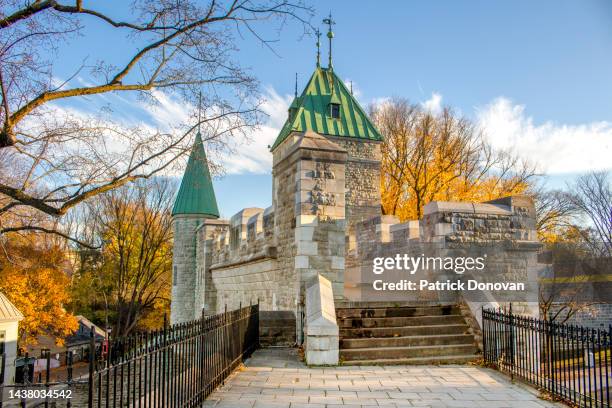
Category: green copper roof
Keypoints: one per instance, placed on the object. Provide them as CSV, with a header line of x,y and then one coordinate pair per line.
x,y
312,112
196,194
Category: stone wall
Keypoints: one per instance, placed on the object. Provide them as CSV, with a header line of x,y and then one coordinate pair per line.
x,y
594,315
362,179
508,219
284,184
277,328
505,229
244,283
320,208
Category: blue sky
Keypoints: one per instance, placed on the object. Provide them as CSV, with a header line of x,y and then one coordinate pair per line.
x,y
535,74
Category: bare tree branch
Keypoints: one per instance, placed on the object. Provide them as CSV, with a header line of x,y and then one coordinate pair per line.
x,y
46,231
53,159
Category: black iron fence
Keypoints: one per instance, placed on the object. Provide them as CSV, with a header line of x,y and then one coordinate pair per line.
x,y
572,363
177,366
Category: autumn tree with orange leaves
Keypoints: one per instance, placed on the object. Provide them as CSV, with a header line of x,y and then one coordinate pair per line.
x,y
428,157
33,276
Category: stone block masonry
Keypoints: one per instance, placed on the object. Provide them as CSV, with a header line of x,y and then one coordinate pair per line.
x,y
362,179
504,229
314,228
321,331
325,219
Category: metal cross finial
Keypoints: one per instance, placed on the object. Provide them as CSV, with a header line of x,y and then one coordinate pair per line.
x,y
296,84
330,34
318,33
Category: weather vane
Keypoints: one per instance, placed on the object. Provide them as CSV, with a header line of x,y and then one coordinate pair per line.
x,y
330,34
318,33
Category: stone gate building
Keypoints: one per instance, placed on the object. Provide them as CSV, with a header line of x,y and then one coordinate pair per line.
x,y
325,212
326,179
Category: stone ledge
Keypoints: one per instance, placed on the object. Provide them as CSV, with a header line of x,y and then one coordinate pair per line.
x,y
267,254
465,207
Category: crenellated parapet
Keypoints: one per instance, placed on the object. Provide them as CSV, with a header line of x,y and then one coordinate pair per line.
x,y
503,231
225,247
507,219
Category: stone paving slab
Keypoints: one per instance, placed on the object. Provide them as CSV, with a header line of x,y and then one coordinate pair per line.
x,y
276,378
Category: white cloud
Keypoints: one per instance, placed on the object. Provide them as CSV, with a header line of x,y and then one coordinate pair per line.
x,y
380,101
250,154
168,112
555,147
352,86
253,155
433,104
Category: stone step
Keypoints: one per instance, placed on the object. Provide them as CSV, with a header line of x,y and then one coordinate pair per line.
x,y
454,359
345,304
406,352
368,322
379,332
405,311
406,341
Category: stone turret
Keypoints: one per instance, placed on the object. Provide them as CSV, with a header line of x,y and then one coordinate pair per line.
x,y
194,205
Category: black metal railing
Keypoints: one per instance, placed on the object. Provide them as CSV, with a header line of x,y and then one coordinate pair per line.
x,y
570,362
177,366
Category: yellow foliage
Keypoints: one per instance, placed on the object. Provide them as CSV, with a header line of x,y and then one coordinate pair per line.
x,y
31,276
427,157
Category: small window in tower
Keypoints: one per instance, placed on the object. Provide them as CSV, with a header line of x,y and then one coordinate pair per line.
x,y
175,277
334,110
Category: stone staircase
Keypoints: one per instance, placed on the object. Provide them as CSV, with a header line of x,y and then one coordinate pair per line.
x,y
404,335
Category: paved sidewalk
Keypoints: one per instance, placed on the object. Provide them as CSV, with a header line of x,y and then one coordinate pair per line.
x,y
275,378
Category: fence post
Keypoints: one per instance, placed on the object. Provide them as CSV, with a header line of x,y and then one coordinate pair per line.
x,y
512,341
484,344
47,375
163,362
92,356
257,344
69,366
2,374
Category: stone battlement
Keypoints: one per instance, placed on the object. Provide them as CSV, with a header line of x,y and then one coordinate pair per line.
x,y
504,228
509,218
245,236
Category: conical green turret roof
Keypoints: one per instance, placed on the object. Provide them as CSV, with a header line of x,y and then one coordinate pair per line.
x,y
313,110
196,194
